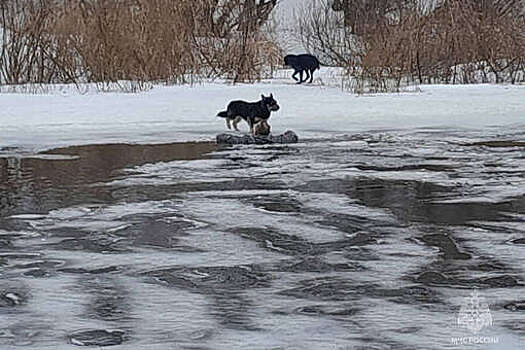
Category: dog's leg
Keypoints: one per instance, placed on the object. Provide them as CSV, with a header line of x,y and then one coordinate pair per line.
x,y
251,124
228,120
294,75
300,77
235,122
311,75
307,72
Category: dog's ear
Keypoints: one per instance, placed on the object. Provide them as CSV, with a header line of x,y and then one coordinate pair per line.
x,y
262,96
271,95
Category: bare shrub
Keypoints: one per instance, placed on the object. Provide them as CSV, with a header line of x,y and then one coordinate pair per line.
x,y
109,41
363,16
388,44
321,31
232,40
463,41
22,52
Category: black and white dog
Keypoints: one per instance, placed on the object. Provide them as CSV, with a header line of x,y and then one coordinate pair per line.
x,y
251,112
302,63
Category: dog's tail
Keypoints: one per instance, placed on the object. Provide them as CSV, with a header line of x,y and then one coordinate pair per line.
x,y
223,114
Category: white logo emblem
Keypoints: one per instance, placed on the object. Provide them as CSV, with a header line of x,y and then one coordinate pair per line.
x,y
474,314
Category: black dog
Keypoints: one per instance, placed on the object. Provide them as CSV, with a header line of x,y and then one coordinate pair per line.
x,y
302,63
251,112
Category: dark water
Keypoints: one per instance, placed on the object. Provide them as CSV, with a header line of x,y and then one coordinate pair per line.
x,y
370,241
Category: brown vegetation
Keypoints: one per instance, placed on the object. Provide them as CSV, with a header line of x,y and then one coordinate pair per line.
x,y
403,42
362,16
461,41
141,40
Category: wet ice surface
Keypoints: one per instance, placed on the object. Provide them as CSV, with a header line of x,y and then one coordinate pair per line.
x,y
369,241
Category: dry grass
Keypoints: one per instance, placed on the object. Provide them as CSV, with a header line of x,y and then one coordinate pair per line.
x,y
107,41
457,42
462,41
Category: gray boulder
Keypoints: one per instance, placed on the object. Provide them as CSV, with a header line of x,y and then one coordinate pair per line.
x,y
288,137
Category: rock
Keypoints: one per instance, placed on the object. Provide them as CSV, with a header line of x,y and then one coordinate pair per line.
x,y
288,137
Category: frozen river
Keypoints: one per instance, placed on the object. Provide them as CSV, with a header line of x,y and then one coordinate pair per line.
x,y
374,240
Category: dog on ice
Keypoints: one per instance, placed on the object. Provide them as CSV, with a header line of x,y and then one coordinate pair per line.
x,y
251,112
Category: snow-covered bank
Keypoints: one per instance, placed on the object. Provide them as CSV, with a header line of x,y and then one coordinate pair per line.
x,y
184,113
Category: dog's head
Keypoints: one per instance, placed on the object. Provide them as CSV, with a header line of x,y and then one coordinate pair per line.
x,y
262,128
287,59
270,103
